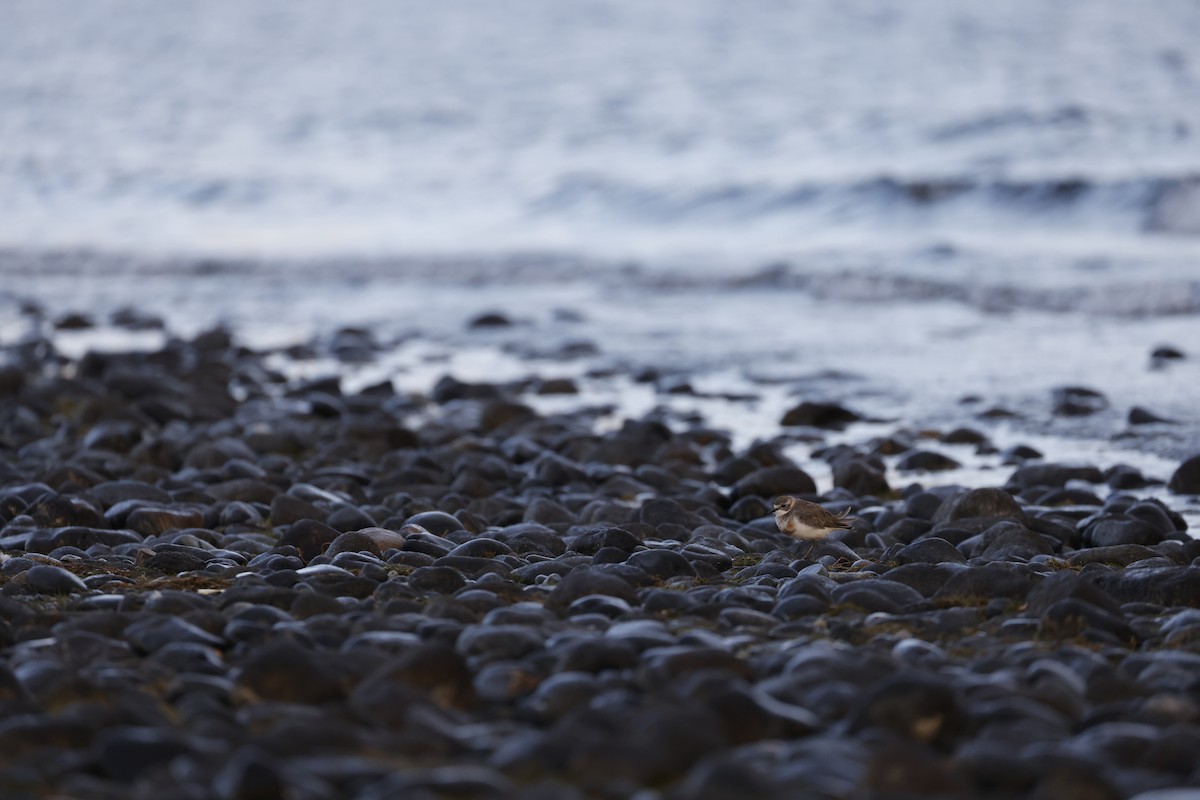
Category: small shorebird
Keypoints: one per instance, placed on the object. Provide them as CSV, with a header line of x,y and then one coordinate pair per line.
x,y
801,519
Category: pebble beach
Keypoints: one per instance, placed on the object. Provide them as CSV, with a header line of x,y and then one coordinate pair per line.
x,y
394,397
219,582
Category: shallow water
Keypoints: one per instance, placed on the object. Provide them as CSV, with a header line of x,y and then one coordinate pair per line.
x,y
616,128
1028,155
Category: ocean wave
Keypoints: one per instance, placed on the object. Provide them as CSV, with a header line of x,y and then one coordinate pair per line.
x,y
1155,204
1114,298
987,281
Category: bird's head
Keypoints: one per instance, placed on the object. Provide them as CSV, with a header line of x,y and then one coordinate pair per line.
x,y
783,504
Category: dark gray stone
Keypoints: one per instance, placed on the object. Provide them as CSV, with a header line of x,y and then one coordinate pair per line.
x,y
926,461
289,673
114,492
1165,586
923,505
309,537
1052,475
987,502
1011,541
45,579
348,518
1078,401
1144,416
585,581
771,481
492,642
287,510
592,541
930,550
1068,585
926,579
153,633
438,523
128,752
860,476
1120,555
661,563
1073,617
916,707
981,584
352,542
174,562
819,415
1109,531
879,595
1186,478
155,521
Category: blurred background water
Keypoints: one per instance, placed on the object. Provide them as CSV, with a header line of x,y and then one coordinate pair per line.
x,y
619,128
947,197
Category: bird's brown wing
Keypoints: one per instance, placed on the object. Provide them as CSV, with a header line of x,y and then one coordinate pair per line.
x,y
843,519
820,518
